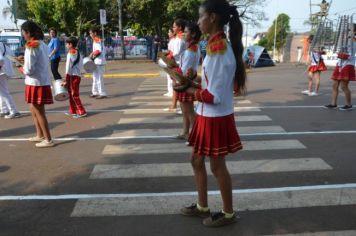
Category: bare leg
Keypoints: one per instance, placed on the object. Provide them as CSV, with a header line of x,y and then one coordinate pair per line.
x,y
42,120
335,92
345,88
186,116
201,179
317,81
310,82
39,132
221,173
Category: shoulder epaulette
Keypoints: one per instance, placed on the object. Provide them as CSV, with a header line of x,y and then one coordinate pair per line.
x,y
180,35
33,44
73,51
97,40
193,48
217,47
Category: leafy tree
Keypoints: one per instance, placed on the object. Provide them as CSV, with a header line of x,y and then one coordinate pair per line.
x,y
70,16
282,31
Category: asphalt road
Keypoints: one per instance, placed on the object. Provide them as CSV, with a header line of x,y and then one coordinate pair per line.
x,y
120,171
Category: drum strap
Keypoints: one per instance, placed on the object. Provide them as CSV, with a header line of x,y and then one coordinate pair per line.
x,y
76,60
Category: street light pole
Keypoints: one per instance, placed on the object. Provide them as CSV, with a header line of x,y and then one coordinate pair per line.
x,y
275,36
119,3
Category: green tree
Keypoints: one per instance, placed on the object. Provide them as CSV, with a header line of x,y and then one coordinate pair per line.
x,y
69,16
282,28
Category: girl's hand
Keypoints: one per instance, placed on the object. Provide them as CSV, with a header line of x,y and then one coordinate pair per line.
x,y
20,58
64,83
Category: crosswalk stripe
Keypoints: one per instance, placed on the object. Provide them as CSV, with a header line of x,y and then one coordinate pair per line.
x,y
148,102
185,169
322,233
181,148
148,98
158,111
167,132
165,204
178,120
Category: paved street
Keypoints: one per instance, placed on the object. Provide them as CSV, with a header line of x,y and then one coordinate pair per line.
x,y
120,171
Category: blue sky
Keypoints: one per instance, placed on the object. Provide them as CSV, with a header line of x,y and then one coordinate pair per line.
x,y
298,11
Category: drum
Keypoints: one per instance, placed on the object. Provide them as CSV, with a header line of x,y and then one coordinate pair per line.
x,y
60,92
89,65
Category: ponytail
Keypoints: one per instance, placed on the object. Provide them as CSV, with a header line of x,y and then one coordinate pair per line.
x,y
235,33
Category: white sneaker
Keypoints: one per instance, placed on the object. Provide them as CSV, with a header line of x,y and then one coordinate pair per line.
x,y
13,115
45,144
168,95
313,94
306,92
179,111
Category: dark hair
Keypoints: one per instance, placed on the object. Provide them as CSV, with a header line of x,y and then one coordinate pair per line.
x,y
180,23
72,40
194,28
96,30
54,30
228,14
34,30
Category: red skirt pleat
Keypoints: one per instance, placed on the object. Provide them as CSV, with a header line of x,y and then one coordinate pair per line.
x,y
38,94
347,73
214,136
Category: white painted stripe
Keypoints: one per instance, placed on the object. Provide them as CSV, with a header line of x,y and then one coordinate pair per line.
x,y
148,102
103,138
185,169
148,98
181,148
252,201
167,194
166,132
322,233
178,120
158,111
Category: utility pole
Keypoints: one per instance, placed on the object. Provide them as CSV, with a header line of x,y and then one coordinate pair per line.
x,y
119,3
275,36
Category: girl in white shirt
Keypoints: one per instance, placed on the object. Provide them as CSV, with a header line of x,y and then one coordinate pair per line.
x,y
38,89
189,65
214,131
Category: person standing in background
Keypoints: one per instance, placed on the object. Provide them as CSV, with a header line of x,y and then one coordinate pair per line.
x,y
54,54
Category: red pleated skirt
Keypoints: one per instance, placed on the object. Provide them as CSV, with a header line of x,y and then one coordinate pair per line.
x,y
185,97
316,68
347,73
214,136
38,94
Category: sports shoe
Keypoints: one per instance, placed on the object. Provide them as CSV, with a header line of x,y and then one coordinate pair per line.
x,y
69,114
218,219
13,115
36,139
179,111
45,144
346,108
4,114
182,136
168,95
76,116
306,92
101,97
312,94
93,95
330,106
170,109
193,210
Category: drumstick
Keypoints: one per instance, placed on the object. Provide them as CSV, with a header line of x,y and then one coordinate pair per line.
x,y
14,60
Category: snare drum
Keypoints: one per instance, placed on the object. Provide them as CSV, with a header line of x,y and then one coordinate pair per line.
x,y
89,65
60,92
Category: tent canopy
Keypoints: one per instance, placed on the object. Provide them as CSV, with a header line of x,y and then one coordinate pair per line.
x,y
260,55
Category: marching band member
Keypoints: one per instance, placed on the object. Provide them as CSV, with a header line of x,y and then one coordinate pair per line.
x,y
214,131
171,37
38,89
74,65
98,55
189,65
343,73
315,69
8,108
